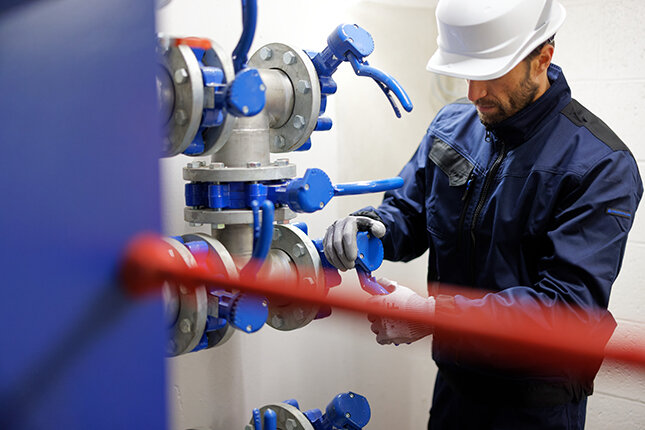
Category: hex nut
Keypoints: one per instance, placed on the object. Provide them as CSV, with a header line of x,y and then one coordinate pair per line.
x,y
266,53
277,321
298,250
185,326
180,117
281,162
181,75
299,122
280,142
289,58
290,424
277,234
195,164
303,86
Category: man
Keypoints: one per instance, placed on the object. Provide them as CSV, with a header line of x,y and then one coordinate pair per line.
x,y
522,192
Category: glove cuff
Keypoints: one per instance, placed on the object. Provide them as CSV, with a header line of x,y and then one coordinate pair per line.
x,y
420,306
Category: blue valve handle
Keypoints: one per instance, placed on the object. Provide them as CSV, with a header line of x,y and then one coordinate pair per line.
x,y
365,187
386,82
249,22
370,257
352,43
369,284
314,190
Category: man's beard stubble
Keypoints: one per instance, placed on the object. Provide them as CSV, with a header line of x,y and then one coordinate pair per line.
x,y
518,100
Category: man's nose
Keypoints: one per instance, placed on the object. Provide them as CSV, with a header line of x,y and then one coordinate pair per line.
x,y
476,90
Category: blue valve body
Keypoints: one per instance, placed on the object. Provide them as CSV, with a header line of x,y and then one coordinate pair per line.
x,y
246,95
245,312
353,44
346,38
347,411
308,194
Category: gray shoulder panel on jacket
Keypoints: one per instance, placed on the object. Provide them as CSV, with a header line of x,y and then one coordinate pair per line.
x,y
582,117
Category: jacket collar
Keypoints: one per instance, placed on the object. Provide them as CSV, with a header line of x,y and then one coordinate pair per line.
x,y
520,127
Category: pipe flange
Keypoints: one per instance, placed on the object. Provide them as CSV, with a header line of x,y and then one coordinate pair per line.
x,y
183,125
231,216
306,107
217,172
193,307
216,137
304,255
288,417
226,266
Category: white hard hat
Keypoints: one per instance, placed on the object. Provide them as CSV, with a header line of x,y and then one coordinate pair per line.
x,y
484,39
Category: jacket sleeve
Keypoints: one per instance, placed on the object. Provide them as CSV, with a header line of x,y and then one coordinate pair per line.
x,y
403,210
578,263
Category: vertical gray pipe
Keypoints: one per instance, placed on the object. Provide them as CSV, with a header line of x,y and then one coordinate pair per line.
x,y
249,143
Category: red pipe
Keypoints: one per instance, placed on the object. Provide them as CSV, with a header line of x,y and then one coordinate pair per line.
x,y
568,341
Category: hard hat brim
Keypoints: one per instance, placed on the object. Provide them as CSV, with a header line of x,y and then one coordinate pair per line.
x,y
483,69
476,69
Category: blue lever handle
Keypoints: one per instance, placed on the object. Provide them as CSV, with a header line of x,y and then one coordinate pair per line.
x,y
386,82
369,284
314,190
364,187
352,43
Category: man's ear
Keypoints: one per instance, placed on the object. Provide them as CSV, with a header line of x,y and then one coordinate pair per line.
x,y
543,60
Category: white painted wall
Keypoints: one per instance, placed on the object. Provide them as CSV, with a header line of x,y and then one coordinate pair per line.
x,y
601,50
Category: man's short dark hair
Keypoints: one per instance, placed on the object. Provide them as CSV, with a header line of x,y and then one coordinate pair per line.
x,y
534,53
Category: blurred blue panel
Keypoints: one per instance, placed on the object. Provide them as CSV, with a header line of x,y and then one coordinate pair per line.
x,y
79,140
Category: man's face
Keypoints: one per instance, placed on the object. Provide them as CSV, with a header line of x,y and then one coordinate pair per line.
x,y
501,98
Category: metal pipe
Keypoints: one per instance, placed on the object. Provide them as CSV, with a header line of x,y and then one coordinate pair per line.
x,y
280,96
238,240
249,142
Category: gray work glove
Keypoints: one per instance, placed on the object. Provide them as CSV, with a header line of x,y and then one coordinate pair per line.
x,y
339,243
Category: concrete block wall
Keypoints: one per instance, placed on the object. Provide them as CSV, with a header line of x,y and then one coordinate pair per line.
x,y
602,52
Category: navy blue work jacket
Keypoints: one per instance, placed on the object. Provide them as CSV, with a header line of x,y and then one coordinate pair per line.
x,y
534,210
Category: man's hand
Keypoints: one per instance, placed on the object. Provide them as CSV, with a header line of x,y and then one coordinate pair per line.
x,y
397,331
339,243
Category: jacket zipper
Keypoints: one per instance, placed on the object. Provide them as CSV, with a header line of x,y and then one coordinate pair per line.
x,y
480,205
466,199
